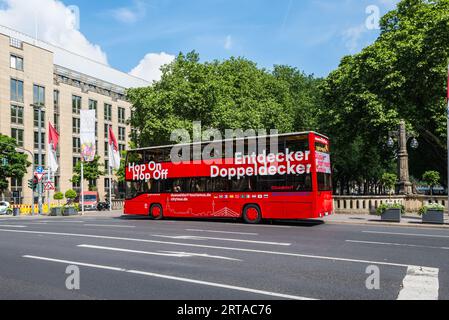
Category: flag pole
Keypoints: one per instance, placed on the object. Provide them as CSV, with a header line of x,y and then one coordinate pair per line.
x,y
109,169
447,118
82,187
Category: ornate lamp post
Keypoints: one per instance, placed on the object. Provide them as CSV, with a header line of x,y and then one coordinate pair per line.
x,y
404,186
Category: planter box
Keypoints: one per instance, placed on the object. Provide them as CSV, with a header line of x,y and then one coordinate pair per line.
x,y
70,212
392,215
56,212
433,216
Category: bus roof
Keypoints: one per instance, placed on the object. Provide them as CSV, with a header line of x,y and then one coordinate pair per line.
x,y
224,140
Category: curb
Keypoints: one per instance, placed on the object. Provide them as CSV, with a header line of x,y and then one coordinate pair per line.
x,y
386,224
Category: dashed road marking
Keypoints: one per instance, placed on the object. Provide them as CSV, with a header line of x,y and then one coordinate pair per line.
x,y
408,234
223,239
161,253
396,244
225,232
167,277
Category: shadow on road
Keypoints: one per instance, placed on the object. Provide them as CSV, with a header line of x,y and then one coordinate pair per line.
x,y
292,223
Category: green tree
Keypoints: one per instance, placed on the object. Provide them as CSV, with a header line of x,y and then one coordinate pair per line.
x,y
389,181
16,163
58,196
431,178
402,75
92,172
229,94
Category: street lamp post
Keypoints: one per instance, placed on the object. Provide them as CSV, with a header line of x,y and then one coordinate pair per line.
x,y
404,185
39,141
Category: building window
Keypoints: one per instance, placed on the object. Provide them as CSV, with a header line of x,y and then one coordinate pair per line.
x,y
93,106
76,145
76,104
121,133
36,159
57,183
76,124
75,161
36,140
106,149
106,165
38,96
106,132
36,118
121,115
96,130
16,114
107,112
16,43
56,121
18,135
93,183
16,184
16,62
121,148
16,90
76,186
56,100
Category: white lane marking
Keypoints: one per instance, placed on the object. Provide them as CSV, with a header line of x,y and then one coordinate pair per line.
x,y
63,221
408,234
222,239
396,244
12,226
225,232
174,254
162,276
108,226
420,284
288,254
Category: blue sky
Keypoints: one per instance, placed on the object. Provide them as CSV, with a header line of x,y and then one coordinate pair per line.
x,y
312,35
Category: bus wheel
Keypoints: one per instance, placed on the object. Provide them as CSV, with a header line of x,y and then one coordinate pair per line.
x,y
156,212
252,214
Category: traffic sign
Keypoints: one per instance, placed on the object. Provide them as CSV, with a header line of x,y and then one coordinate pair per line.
x,y
39,176
49,186
40,170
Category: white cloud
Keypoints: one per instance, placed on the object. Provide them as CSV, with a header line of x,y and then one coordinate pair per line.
x,y
149,67
228,43
130,14
56,24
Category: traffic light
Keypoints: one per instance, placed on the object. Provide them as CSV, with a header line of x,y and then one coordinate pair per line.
x,y
33,183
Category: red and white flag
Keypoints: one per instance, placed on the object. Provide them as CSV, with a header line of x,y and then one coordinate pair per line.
x,y
53,139
114,153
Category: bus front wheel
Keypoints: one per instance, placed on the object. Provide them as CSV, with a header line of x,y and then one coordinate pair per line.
x,y
252,214
156,212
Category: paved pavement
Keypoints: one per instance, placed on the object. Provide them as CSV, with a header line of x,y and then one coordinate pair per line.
x,y
137,258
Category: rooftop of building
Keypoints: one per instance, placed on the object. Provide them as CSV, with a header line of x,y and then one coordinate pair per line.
x,y
79,64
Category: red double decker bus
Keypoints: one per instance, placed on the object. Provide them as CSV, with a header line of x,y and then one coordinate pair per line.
x,y
287,178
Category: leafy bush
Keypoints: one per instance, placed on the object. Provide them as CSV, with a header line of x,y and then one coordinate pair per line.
x,y
385,206
434,206
70,194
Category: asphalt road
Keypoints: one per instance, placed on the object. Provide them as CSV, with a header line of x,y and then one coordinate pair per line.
x,y
135,258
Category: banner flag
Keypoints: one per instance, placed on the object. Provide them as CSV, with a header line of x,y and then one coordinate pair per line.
x,y
87,135
53,140
114,154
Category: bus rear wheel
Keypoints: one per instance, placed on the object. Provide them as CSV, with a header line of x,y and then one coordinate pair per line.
x,y
252,214
156,212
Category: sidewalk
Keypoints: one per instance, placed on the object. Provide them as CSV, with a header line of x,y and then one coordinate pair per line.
x,y
408,220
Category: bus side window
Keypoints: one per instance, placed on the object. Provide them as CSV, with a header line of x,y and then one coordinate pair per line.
x,y
299,143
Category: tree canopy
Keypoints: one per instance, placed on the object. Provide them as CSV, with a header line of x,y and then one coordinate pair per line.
x,y
16,162
229,94
401,76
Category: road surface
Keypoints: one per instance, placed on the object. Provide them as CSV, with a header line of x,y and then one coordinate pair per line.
x,y
138,258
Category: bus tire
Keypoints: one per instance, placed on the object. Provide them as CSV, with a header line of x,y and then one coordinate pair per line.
x,y
156,212
252,214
